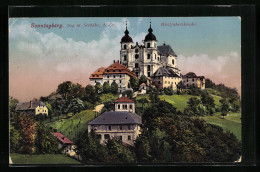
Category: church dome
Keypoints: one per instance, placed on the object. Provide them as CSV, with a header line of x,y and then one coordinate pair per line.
x,y
126,38
150,36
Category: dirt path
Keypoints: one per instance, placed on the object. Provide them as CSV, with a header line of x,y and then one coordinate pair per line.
x,y
98,108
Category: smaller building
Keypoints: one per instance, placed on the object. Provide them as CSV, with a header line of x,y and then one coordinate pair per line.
x,y
165,77
33,107
142,89
122,123
64,143
97,76
191,79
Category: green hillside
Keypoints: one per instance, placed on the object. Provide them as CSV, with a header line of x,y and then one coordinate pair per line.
x,y
42,159
232,122
71,127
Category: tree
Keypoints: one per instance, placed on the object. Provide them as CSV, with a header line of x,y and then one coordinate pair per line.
x,y
223,114
180,87
64,89
106,87
75,106
98,88
90,95
114,88
45,141
15,139
128,93
154,96
118,152
168,91
134,83
142,79
143,149
225,106
27,127
195,107
208,101
77,91
90,149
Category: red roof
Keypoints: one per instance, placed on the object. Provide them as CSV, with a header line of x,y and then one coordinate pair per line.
x,y
62,138
116,68
124,99
98,73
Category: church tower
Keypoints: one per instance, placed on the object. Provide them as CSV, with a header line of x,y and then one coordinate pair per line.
x,y
126,45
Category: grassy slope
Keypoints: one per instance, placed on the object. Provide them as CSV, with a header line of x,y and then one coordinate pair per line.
x,y
42,159
108,97
232,122
71,127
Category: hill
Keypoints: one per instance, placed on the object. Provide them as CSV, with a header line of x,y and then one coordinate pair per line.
x,y
71,127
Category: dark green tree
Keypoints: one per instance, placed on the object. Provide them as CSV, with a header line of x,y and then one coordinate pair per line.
x,y
134,83
98,88
65,89
142,79
114,88
75,106
90,95
106,87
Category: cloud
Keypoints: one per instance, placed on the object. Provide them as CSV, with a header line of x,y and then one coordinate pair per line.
x,y
222,69
49,58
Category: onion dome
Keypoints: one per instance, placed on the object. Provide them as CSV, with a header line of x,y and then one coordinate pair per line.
x,y
126,38
150,36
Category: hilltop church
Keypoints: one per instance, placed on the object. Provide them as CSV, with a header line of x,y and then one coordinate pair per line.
x,y
157,63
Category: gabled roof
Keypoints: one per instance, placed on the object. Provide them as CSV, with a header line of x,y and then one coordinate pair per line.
x,y
62,138
117,117
165,49
117,68
165,71
124,99
98,73
27,105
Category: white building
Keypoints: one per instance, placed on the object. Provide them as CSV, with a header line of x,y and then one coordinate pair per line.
x,y
147,58
191,79
122,123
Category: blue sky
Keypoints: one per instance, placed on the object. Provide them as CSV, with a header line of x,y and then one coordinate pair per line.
x,y
211,47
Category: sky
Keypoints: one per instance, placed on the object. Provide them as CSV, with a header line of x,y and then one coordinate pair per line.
x,y
40,58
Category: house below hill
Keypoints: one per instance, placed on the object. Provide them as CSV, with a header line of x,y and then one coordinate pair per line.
x,y
33,107
122,123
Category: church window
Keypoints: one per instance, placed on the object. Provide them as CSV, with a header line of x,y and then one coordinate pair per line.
x,y
187,80
120,81
172,61
124,46
107,76
136,73
148,56
120,75
136,65
148,74
129,137
148,67
114,76
124,57
157,58
136,56
148,45
136,50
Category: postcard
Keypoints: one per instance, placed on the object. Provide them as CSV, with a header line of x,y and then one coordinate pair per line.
x,y
125,90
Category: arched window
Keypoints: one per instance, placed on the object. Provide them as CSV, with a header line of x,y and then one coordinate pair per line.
x,y
172,61
124,57
136,50
136,56
148,45
148,56
124,46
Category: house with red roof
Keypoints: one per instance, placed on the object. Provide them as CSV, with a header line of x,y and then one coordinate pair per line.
x,y
97,76
124,104
64,142
119,74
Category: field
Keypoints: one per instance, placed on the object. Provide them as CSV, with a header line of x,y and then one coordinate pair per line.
x,y
232,122
42,159
178,101
71,127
